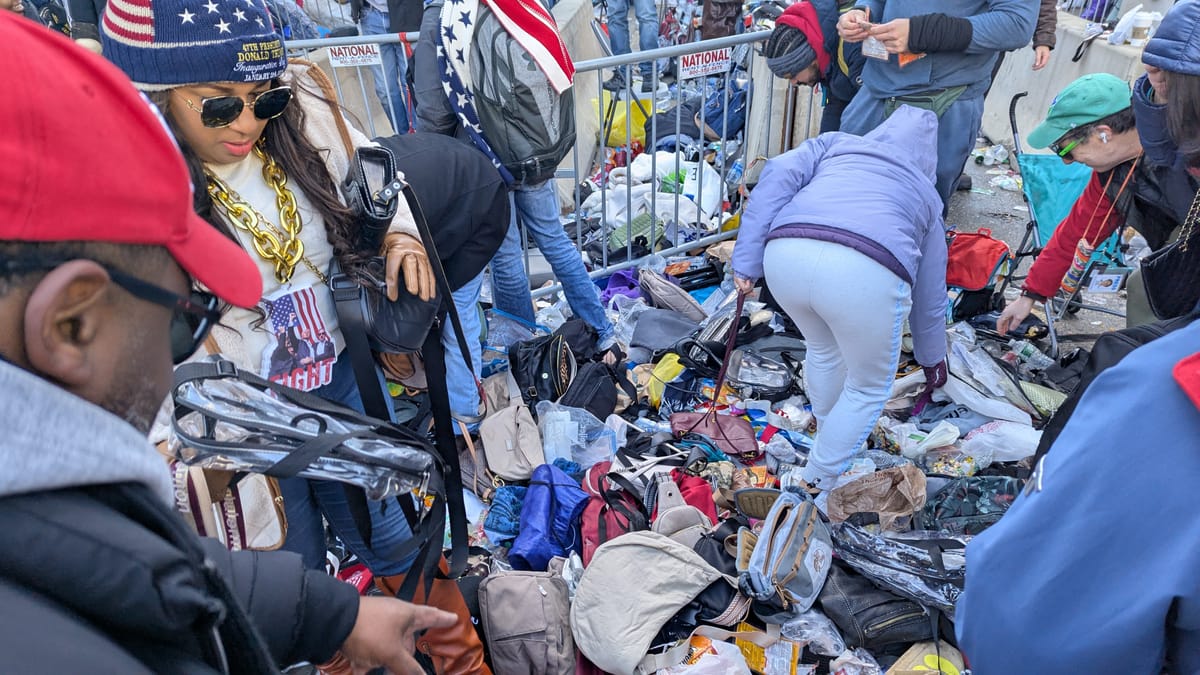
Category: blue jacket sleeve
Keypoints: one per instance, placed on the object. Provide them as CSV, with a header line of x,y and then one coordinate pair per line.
x,y
1076,578
1160,148
928,316
873,7
1005,26
783,177
434,114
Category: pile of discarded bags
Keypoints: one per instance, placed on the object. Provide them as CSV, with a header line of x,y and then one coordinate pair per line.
x,y
637,518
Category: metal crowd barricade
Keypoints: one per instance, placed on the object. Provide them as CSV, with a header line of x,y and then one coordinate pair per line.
x,y
677,224
663,103
362,51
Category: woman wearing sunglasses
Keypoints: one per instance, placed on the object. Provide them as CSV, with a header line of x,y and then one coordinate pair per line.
x,y
266,157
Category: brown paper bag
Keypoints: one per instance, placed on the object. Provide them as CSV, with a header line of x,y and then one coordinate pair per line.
x,y
892,493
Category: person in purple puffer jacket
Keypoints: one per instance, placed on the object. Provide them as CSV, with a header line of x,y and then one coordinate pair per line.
x,y
848,232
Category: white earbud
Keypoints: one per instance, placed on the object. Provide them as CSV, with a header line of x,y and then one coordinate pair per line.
x,y
1103,137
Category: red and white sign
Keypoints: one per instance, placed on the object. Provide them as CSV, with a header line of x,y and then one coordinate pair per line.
x,y
349,56
705,63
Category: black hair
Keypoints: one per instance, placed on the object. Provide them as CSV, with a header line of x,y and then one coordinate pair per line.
x,y
1183,115
133,259
1120,122
783,40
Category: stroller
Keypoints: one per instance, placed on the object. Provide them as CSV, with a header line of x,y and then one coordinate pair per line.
x,y
1050,189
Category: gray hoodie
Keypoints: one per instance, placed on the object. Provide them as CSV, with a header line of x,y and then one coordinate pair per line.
x,y
53,439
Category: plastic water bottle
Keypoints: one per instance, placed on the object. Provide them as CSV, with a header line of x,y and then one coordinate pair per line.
x,y
735,173
1030,354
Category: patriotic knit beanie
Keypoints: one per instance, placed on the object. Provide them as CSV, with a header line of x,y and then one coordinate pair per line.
x,y
163,44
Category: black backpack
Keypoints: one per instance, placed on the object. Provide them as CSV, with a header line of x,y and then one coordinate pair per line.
x,y
528,125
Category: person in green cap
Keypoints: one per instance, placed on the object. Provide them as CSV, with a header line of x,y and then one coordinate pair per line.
x,y
1091,121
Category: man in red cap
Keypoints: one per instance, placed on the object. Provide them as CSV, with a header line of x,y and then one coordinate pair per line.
x,y
99,249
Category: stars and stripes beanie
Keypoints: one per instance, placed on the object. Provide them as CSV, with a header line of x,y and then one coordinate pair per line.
x,y
163,44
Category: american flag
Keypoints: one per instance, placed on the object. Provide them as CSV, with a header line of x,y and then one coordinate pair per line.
x,y
140,22
130,19
297,313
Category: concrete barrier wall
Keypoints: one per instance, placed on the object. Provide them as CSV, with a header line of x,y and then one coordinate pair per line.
x,y
1017,75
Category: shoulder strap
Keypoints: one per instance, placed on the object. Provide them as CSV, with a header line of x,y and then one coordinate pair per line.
x,y
330,94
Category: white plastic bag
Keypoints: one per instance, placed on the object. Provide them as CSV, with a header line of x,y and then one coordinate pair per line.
x,y
1006,441
727,661
960,392
704,186
914,443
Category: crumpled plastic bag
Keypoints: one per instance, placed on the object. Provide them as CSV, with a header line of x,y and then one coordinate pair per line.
x,y
914,443
1004,441
892,494
575,434
817,631
904,562
717,658
857,662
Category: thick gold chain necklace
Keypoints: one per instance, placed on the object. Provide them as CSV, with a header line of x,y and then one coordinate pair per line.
x,y
280,247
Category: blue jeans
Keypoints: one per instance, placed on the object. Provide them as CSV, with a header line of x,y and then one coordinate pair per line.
x,y
539,210
390,82
464,397
618,29
306,501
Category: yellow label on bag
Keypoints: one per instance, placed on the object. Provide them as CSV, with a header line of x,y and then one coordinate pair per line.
x,y
781,658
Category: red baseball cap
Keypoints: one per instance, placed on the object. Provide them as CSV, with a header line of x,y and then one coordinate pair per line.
x,y
85,157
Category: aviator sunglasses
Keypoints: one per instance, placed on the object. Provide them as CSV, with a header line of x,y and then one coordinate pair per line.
x,y
192,319
221,111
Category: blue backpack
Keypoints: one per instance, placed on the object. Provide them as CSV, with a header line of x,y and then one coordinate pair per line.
x,y
549,519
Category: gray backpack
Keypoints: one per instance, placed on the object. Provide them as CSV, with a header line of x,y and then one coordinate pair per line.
x,y
528,125
526,619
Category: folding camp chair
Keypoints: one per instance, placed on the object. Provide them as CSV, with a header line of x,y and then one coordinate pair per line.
x,y
1050,188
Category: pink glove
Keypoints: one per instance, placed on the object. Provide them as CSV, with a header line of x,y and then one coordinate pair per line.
x,y
935,378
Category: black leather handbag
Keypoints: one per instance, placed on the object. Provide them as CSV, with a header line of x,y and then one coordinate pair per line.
x,y
392,327
543,368
1172,273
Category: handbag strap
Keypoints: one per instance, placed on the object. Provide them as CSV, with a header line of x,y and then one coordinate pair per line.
x,y
730,342
1189,223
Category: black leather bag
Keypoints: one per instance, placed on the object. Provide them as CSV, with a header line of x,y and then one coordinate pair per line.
x,y
392,327
594,389
1172,273
868,616
543,368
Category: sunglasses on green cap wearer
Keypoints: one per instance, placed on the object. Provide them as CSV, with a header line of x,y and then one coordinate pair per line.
x,y
1085,101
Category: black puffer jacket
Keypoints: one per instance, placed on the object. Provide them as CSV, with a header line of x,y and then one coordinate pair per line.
x,y
105,579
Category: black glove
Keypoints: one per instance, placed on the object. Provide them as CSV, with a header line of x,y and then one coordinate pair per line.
x,y
938,33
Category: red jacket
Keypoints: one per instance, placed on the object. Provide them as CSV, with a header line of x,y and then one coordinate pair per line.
x,y
1055,259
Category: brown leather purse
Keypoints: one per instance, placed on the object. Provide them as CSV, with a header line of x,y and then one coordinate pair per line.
x,y
733,435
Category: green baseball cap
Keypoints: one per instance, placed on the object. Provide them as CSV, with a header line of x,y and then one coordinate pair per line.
x,y
1090,98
